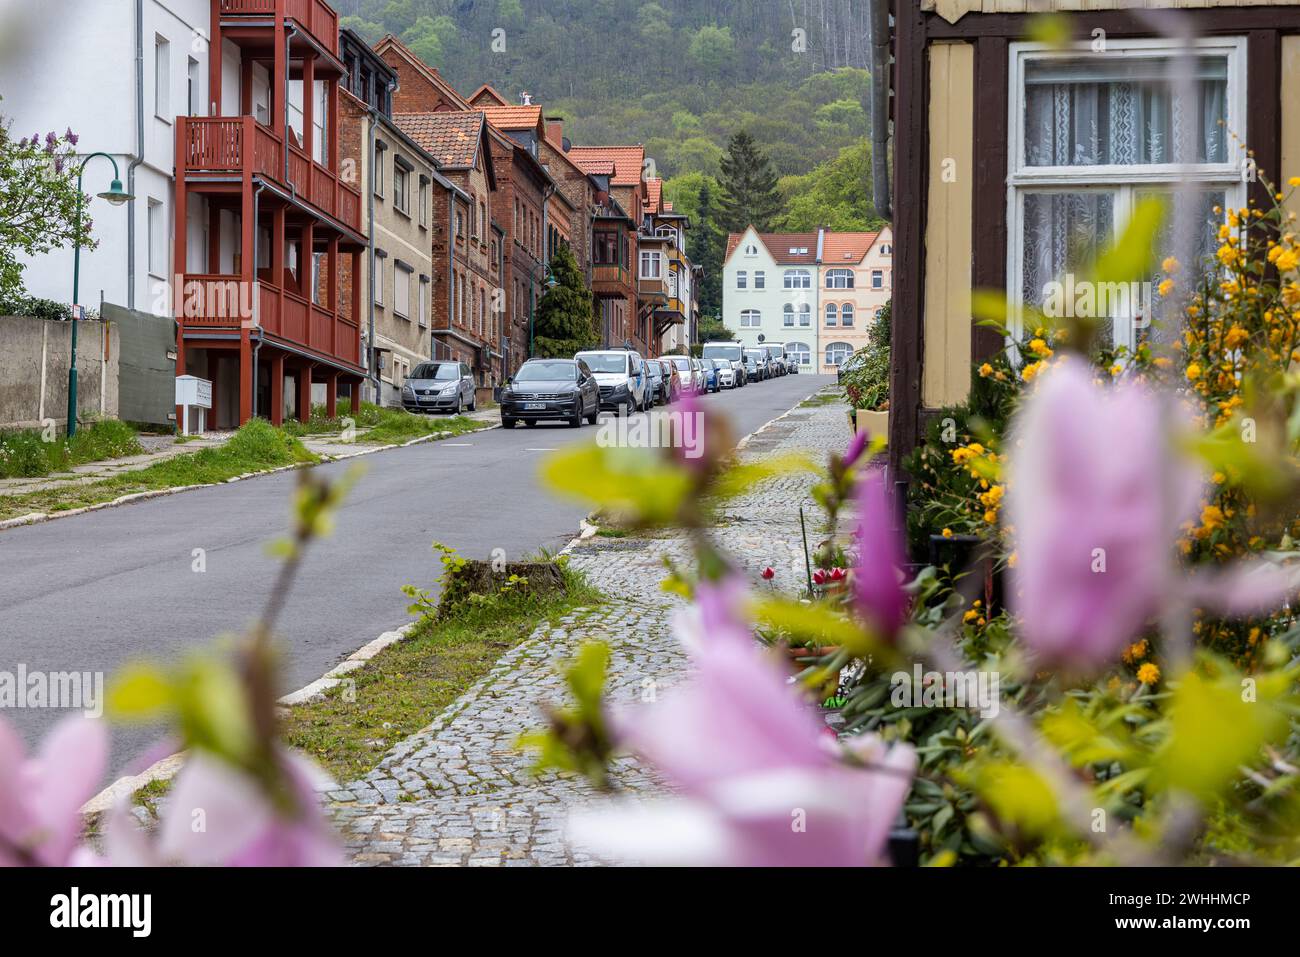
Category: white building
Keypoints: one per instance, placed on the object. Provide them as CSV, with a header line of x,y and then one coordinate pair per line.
x,y
770,291
117,73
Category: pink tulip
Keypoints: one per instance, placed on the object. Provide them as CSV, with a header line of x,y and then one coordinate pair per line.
x,y
41,796
1096,494
878,578
758,784
857,445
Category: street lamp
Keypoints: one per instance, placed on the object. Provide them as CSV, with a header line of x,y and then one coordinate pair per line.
x,y
116,195
551,283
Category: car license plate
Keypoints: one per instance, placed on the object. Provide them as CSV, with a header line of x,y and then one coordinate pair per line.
x,y
534,406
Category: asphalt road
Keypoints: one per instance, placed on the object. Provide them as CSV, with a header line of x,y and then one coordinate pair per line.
x,y
93,592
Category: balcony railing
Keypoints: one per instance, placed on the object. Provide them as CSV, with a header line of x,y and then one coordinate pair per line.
x,y
226,304
611,280
315,16
652,287
220,144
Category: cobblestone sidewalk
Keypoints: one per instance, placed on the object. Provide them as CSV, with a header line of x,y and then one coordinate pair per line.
x,y
459,793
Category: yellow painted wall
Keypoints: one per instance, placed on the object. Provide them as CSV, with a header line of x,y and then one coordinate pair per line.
x,y
954,10
1290,118
946,352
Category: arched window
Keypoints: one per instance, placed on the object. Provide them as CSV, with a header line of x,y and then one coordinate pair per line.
x,y
798,279
886,250
788,314
805,314
846,314
831,315
839,279
751,250
837,352
800,352
751,319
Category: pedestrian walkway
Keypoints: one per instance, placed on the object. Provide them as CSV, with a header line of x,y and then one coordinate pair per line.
x,y
157,448
460,793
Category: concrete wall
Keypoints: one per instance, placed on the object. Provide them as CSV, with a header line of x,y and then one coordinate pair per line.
x,y
34,359
147,363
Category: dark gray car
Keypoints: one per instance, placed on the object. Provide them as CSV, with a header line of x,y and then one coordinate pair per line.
x,y
544,389
442,386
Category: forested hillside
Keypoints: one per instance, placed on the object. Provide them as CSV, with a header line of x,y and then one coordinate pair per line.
x,y
681,77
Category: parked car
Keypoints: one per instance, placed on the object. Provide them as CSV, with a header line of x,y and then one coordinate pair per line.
x,y
710,375
776,357
760,369
794,365
621,376
726,373
730,354
655,383
686,372
742,374
542,389
439,387
697,370
671,378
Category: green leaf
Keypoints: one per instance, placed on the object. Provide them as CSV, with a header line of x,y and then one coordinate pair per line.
x,y
635,484
140,692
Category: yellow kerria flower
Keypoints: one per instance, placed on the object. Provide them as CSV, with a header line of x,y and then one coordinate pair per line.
x,y
1235,336
1193,372
1212,517
986,370
1116,370
1166,287
1287,260
1149,673
1170,265
1227,254
991,516
1040,348
1293,181
947,533
1031,370
970,615
1013,559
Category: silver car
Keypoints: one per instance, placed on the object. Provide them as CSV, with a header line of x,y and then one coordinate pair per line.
x,y
442,386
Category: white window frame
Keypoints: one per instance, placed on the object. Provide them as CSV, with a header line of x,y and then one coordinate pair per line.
x,y
1123,181
839,277
402,290
877,279
831,315
655,261
755,317
162,78
788,280
425,287
157,238
379,280
401,187
847,315
760,279
742,279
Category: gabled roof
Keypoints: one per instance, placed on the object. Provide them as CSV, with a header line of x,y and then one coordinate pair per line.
x,y
654,194
453,139
628,161
847,248
513,117
593,167
392,46
779,246
486,95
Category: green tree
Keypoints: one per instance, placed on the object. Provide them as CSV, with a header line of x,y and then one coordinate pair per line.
x,y
430,39
566,316
749,187
713,49
836,194
38,202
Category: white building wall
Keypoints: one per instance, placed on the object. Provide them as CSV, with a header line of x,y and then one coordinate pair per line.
x,y
79,71
770,301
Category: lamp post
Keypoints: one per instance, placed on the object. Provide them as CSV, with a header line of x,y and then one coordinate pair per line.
x,y
117,196
532,300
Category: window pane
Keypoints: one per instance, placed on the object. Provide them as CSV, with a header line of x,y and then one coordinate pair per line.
x,y
1085,112
1063,232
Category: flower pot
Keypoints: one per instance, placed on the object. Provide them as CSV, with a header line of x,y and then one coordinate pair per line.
x,y
874,423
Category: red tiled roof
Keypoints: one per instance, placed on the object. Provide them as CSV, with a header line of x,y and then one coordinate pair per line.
x,y
779,246
486,95
628,161
840,248
513,117
450,138
654,194
593,167
668,207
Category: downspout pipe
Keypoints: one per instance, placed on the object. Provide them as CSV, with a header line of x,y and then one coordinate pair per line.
x,y
136,160
880,77
257,235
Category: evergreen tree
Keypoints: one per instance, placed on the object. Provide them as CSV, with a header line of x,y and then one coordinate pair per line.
x,y
707,243
749,187
566,316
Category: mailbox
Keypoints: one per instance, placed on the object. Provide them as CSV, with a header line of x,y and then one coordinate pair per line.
x,y
196,394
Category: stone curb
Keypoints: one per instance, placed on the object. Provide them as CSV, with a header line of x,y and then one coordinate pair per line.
x,y
36,518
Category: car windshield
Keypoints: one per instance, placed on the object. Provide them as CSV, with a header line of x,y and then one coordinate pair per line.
x,y
557,369
683,364
605,362
722,352
438,371
755,354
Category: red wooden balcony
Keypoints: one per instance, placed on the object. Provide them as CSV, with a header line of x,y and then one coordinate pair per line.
x,y
278,312
314,17
612,282
239,144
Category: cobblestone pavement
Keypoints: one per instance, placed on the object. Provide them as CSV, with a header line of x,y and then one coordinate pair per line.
x,y
459,793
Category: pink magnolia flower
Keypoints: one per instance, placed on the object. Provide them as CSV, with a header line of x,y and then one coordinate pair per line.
x,y
878,578
216,815
758,783
41,796
857,446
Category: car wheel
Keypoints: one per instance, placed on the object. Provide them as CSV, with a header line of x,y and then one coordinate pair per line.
x,y
594,414
473,403
460,404
507,423
575,420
